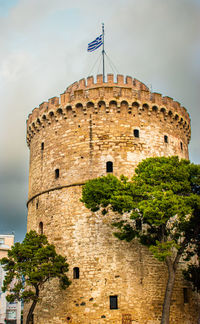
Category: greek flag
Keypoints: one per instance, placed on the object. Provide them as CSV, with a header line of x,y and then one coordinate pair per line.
x,y
95,44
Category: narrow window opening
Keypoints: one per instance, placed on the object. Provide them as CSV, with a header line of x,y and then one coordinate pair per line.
x,y
165,138
109,166
37,204
136,133
181,146
57,173
113,302
41,228
185,296
42,146
76,273
138,224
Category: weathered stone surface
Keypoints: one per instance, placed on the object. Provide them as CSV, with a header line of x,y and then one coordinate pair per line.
x,y
94,124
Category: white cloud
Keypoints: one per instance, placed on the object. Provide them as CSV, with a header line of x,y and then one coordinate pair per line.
x,y
15,65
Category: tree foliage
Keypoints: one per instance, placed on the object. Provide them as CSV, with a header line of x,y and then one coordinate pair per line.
x,y
192,273
160,207
29,265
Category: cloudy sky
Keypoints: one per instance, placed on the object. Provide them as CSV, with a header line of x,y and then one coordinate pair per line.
x,y
43,50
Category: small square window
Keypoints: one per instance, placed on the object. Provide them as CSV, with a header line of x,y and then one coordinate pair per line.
x,y
113,302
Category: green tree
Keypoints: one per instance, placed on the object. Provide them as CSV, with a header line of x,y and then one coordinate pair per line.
x,y
28,266
160,207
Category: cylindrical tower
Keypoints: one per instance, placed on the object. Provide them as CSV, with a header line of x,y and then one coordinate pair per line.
x,y
94,129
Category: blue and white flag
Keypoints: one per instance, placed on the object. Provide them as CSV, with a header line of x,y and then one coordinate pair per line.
x,y
95,44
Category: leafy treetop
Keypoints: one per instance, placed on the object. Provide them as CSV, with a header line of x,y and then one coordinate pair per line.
x,y
160,207
30,264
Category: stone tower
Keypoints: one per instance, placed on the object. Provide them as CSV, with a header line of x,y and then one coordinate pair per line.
x,y
92,129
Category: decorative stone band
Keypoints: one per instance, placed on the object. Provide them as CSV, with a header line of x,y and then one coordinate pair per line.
x,y
82,99
53,189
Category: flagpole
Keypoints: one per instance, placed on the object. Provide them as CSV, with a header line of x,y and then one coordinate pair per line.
x,y
103,53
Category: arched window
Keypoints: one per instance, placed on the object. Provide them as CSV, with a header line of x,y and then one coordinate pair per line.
x,y
41,228
79,105
145,106
56,173
101,103
136,133
165,138
135,104
90,104
109,167
76,273
155,108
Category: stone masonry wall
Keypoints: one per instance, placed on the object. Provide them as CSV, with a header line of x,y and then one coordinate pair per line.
x,y
92,124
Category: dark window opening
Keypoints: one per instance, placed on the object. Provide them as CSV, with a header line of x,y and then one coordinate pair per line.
x,y
136,133
79,105
181,146
185,295
135,104
37,204
109,166
57,173
76,273
41,228
68,318
163,110
145,106
165,138
42,146
113,302
90,104
101,103
138,224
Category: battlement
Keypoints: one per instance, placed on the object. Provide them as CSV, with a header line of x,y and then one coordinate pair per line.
x,y
88,95
128,81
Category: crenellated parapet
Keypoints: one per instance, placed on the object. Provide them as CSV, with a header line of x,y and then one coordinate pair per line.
x,y
88,97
